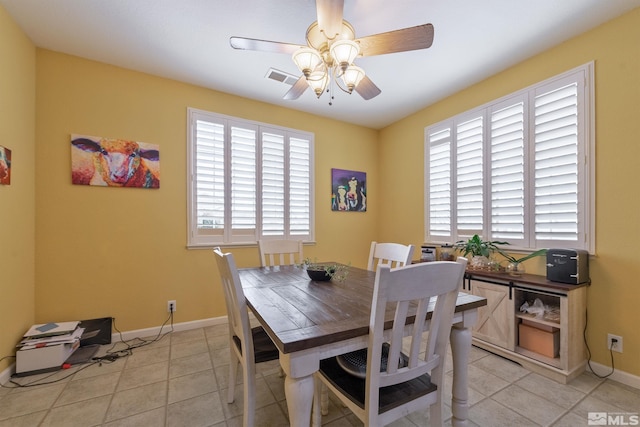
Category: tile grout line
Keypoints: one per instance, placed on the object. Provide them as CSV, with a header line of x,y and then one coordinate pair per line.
x,y
166,396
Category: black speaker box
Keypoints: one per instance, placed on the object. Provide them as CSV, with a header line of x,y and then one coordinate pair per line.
x,y
568,266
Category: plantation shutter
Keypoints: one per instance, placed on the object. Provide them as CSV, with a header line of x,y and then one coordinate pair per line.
x,y
209,177
300,175
243,181
273,184
522,168
286,192
439,183
508,173
469,177
556,163
247,181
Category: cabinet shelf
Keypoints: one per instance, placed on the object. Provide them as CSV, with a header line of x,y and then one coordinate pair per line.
x,y
534,318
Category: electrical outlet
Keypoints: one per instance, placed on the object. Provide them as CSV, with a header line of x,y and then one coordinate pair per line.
x,y
614,342
171,306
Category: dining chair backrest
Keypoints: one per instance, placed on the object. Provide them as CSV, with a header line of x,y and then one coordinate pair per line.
x,y
235,300
393,390
280,252
247,345
392,254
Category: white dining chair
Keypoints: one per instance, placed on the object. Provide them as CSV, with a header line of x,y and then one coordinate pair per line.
x,y
392,254
247,345
280,252
385,392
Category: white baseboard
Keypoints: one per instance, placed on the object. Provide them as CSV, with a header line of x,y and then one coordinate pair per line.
x,y
177,327
6,374
617,375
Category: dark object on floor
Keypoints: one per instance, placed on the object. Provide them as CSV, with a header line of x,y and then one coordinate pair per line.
x,y
96,331
82,355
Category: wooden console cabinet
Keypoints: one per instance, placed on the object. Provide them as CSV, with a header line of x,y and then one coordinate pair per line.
x,y
497,328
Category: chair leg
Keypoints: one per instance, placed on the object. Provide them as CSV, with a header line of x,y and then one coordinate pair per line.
x,y
249,396
233,375
435,414
324,399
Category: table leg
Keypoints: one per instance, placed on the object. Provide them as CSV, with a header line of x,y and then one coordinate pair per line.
x,y
299,387
299,392
460,346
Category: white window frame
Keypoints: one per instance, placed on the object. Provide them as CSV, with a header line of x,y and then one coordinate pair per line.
x,y
201,237
583,77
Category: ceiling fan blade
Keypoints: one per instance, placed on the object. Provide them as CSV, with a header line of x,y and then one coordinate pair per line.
x,y
263,45
297,89
412,38
330,16
367,89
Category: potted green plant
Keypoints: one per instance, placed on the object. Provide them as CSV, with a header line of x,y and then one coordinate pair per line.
x,y
322,272
479,249
515,268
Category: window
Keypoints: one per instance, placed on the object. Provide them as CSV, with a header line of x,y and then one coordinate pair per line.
x,y
247,181
519,169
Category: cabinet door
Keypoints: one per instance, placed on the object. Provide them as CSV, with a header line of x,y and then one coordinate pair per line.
x,y
496,320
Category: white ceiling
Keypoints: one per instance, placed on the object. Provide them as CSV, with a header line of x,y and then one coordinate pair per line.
x,y
188,40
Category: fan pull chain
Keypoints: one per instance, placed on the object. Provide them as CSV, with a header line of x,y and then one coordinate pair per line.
x,y
330,90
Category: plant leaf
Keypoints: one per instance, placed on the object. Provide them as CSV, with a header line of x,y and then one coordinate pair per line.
x,y
524,258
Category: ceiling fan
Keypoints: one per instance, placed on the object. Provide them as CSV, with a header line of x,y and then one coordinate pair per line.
x,y
332,48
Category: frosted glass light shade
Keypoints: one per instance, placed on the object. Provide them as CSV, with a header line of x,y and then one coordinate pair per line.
x,y
306,59
318,81
344,52
352,76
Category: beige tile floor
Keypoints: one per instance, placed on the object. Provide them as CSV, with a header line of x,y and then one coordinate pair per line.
x,y
181,380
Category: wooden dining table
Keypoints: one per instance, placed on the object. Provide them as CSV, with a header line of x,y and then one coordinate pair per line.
x,y
310,321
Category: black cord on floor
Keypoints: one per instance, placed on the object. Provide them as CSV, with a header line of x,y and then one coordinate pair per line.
x,y
584,334
111,355
42,380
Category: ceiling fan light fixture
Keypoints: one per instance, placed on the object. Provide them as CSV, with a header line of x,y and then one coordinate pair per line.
x,y
344,52
352,76
307,59
318,81
332,47
317,39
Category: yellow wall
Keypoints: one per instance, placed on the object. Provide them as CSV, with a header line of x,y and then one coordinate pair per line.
x,y
121,252
615,271
17,201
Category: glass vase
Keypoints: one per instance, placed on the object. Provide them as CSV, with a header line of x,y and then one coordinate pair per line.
x,y
515,269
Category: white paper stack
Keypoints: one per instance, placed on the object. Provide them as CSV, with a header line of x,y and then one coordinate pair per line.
x,y
47,345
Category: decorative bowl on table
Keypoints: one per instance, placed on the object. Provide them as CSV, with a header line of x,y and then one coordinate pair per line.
x,y
320,275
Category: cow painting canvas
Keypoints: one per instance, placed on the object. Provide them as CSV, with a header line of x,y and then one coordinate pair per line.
x,y
348,190
114,162
5,166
